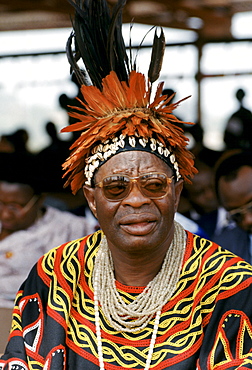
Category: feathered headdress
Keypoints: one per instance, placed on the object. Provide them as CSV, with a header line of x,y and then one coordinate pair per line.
x,y
115,101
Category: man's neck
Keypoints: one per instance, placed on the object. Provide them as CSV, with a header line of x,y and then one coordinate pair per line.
x,y
137,271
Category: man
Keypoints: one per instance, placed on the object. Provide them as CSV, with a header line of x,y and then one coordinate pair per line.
x,y
141,292
238,133
198,201
234,189
27,226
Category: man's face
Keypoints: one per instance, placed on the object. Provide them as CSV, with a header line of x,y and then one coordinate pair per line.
x,y
136,223
237,193
13,197
201,192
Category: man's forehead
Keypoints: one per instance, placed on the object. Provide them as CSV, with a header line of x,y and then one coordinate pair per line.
x,y
236,191
14,186
135,160
244,173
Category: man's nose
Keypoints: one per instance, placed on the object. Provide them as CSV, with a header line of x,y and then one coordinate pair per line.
x,y
5,213
247,221
135,197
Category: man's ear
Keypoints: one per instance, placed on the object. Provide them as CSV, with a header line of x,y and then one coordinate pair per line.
x,y
89,195
177,189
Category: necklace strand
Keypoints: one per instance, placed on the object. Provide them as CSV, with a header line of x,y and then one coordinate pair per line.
x,y
149,303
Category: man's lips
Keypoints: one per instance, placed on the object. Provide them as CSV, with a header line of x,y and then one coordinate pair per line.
x,y
7,225
140,225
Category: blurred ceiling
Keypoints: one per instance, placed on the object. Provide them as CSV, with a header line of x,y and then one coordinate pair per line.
x,y
211,19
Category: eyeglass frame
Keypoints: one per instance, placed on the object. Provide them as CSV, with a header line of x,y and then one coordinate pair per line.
x,y
22,209
240,211
134,179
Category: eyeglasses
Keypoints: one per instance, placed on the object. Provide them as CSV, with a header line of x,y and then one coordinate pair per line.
x,y
237,214
16,208
153,185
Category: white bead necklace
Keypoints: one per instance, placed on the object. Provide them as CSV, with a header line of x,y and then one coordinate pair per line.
x,y
147,304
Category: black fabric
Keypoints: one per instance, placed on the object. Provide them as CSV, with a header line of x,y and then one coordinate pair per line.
x,y
205,325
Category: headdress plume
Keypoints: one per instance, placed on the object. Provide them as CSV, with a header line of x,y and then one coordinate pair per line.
x,y
115,98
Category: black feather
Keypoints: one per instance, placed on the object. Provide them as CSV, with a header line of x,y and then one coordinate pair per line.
x,y
81,75
98,40
116,47
157,54
140,45
99,43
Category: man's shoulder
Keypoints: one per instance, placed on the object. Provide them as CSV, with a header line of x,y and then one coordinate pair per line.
x,y
211,258
66,223
55,213
212,248
68,258
75,247
231,231
234,239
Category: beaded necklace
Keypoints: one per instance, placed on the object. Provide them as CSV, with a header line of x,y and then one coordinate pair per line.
x,y
147,304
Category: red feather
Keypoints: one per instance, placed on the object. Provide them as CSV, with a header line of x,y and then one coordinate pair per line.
x,y
126,108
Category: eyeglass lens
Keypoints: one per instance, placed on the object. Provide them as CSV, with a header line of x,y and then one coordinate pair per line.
x,y
238,216
16,208
12,207
118,187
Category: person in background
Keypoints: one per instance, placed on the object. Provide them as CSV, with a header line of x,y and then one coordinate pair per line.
x,y
141,292
238,130
233,183
50,159
198,201
27,227
16,142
